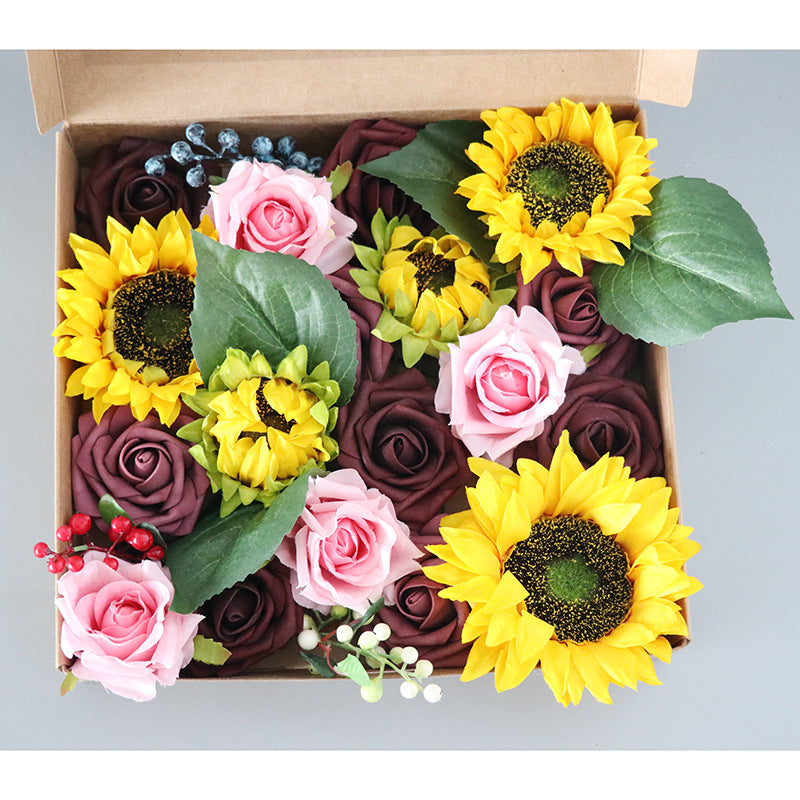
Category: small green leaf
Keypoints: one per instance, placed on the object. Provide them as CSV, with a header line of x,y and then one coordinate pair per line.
x,y
220,552
208,651
110,508
352,668
697,262
215,180
69,683
429,169
340,177
319,664
269,302
369,614
592,351
413,349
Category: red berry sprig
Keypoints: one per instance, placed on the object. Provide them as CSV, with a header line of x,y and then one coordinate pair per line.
x,y
121,531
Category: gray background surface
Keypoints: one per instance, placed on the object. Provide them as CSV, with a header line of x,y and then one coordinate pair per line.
x,y
735,398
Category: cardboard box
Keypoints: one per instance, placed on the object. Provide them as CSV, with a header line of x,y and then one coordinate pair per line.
x,y
102,95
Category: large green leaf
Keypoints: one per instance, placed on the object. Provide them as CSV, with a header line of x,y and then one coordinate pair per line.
x,y
429,168
220,552
269,302
697,262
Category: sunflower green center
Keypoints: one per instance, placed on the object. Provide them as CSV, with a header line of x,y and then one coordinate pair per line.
x,y
557,180
268,415
434,271
576,577
151,321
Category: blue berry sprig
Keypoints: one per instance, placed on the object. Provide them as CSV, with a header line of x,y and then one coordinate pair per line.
x,y
283,153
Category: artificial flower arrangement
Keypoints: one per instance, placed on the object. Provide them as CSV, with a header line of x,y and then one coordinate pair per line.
x,y
384,408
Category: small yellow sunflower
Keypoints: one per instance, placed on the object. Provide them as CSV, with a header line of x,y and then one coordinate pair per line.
x,y
432,288
262,428
127,317
566,184
575,570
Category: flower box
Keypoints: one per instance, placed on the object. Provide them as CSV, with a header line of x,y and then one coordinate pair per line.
x,y
103,95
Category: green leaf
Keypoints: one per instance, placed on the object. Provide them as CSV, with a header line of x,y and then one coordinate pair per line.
x,y
220,552
208,651
369,614
352,668
697,262
269,302
429,168
215,180
319,664
340,177
592,351
69,683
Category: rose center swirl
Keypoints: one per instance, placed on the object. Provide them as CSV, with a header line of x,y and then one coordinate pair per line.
x,y
576,577
151,321
557,180
434,271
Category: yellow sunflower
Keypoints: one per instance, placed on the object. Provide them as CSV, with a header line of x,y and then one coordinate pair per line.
x,y
575,570
566,184
262,428
432,288
127,317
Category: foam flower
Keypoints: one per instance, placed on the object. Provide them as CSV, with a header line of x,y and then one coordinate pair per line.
x,y
500,384
127,318
262,207
348,547
566,183
260,428
578,571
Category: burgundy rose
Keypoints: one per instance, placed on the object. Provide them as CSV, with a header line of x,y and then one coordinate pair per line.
x,y
117,186
399,444
365,141
373,353
603,414
144,466
254,618
570,305
424,620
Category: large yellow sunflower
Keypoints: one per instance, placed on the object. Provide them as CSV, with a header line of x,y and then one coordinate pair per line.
x,y
566,184
575,570
127,317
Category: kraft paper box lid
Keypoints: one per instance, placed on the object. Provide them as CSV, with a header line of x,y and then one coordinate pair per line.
x,y
101,87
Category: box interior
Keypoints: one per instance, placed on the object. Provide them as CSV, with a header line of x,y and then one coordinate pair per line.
x,y
317,128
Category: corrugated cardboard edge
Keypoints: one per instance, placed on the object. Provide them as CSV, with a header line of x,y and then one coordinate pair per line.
x,y
667,76
45,82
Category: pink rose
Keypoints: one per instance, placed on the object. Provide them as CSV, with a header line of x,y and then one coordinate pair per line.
x,y
118,626
501,383
347,547
262,207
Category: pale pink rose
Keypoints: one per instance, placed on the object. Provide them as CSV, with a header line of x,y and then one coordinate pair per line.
x,y
118,625
262,207
501,383
348,547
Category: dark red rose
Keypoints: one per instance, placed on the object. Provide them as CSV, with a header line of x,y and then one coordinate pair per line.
x,y
570,305
424,620
374,354
399,444
143,465
254,618
117,186
364,141
603,415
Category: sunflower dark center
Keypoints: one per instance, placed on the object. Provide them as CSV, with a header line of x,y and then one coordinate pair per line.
x,y
268,415
557,180
151,321
434,271
576,577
